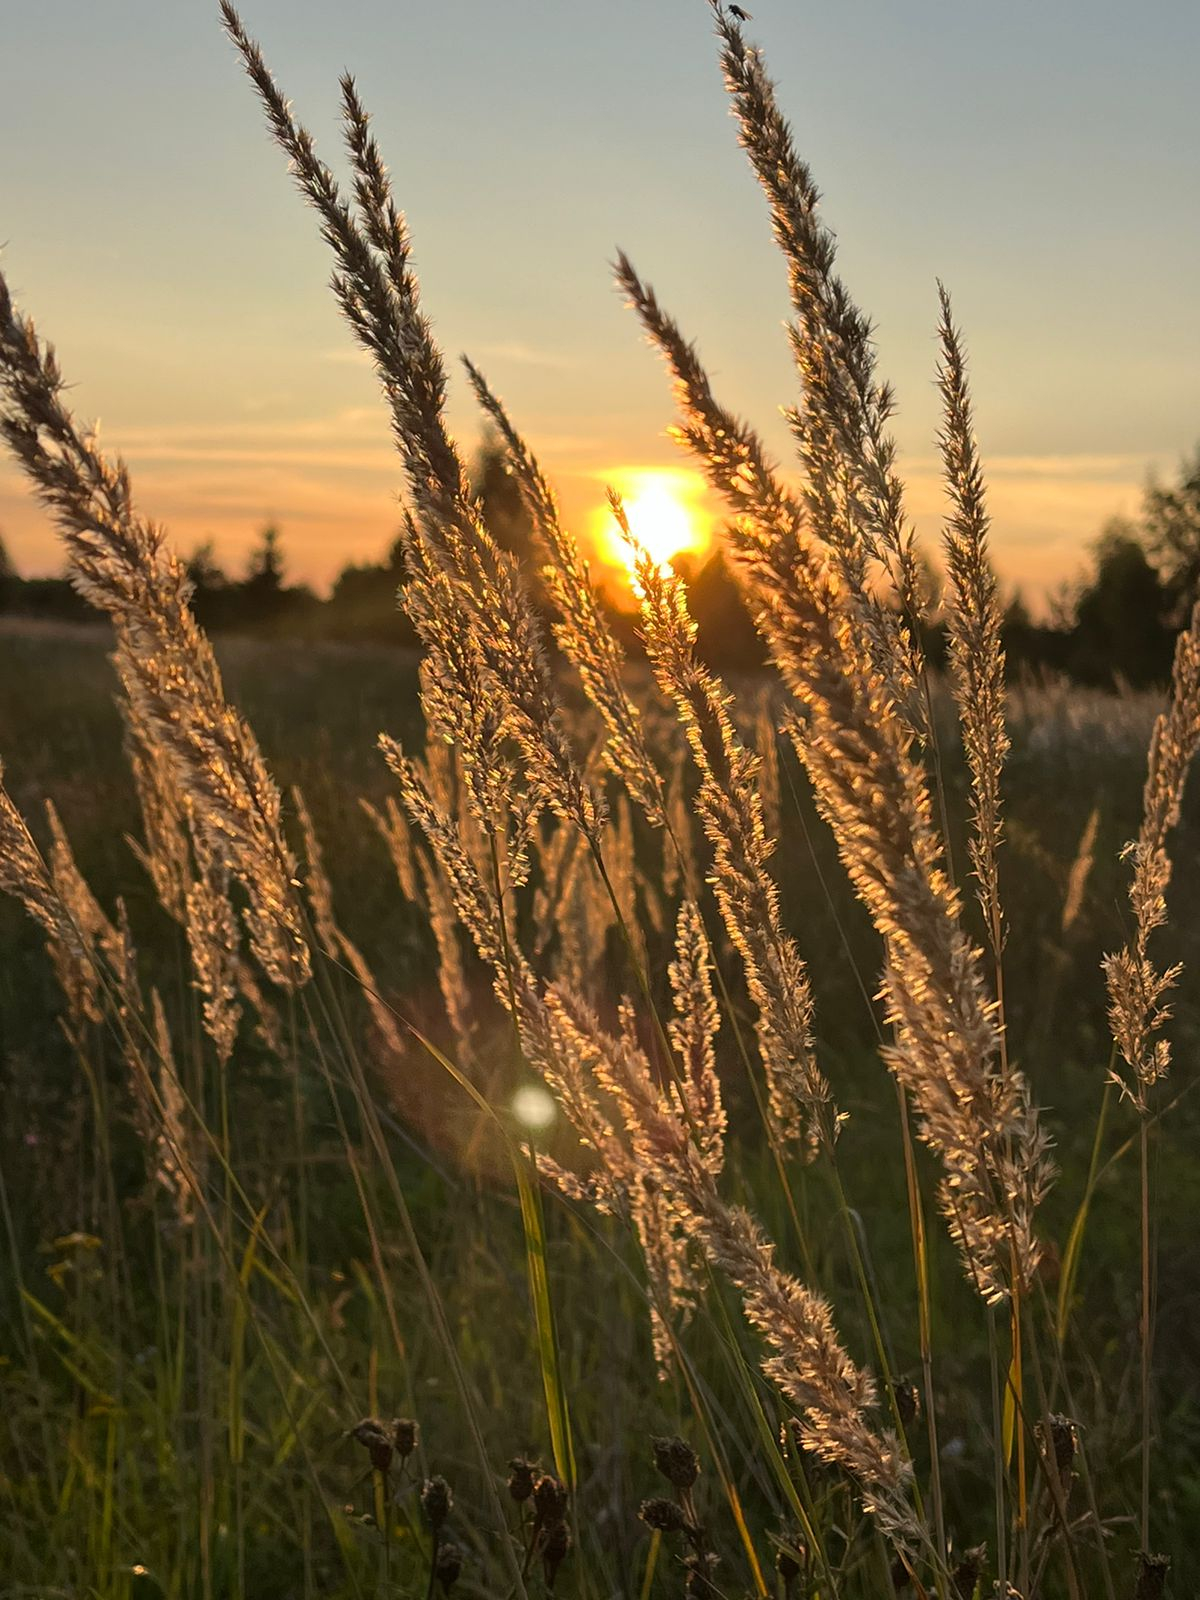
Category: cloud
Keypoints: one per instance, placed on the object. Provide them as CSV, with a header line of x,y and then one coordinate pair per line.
x,y
331,482
365,459
1082,468
350,355
525,355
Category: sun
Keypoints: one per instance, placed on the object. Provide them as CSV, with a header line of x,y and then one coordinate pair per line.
x,y
665,507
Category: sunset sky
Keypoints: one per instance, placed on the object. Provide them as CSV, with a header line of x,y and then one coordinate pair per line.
x,y
1043,158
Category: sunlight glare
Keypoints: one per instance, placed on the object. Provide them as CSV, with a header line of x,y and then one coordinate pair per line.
x,y
665,516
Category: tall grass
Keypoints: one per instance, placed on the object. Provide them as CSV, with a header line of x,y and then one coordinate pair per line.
x,y
592,1163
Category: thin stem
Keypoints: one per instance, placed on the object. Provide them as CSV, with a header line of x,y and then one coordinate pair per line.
x,y
1147,1331
998,1456
924,1316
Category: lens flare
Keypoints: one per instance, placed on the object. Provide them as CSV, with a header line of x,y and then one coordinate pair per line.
x,y
534,1107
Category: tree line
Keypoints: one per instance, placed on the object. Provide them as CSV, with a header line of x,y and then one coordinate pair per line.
x,y
1115,626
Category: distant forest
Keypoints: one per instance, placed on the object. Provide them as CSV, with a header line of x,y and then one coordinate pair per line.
x,y
1114,627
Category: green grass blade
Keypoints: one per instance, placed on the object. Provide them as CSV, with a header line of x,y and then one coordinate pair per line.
x,y
543,1311
1070,1261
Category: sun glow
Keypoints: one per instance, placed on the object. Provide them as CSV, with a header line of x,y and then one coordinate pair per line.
x,y
666,516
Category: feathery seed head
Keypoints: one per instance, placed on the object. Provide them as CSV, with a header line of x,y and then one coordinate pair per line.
x,y
1137,989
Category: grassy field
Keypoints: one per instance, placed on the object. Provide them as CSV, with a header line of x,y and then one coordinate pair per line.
x,y
179,1403
619,1132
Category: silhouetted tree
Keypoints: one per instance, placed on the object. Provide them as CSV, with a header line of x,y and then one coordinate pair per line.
x,y
1122,626
1016,625
1171,530
212,592
503,508
264,571
725,633
1034,647
263,601
363,604
54,599
203,568
9,580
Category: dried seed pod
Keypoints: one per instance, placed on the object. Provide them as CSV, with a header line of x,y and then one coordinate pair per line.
x,y
700,1568
1152,1576
908,1403
521,1475
375,1440
555,1547
969,1570
436,1501
664,1516
788,1564
677,1461
405,1434
1064,1441
448,1566
550,1500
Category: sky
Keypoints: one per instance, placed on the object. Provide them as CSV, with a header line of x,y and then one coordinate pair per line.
x,y
1042,158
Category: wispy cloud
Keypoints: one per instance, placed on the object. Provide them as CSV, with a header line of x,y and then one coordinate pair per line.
x,y
348,355
524,355
1124,467
515,351
331,483
366,459
351,420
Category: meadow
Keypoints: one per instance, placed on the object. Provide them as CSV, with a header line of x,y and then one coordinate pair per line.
x,y
620,1133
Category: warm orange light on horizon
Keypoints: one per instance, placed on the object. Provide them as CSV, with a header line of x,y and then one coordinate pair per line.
x,y
665,507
